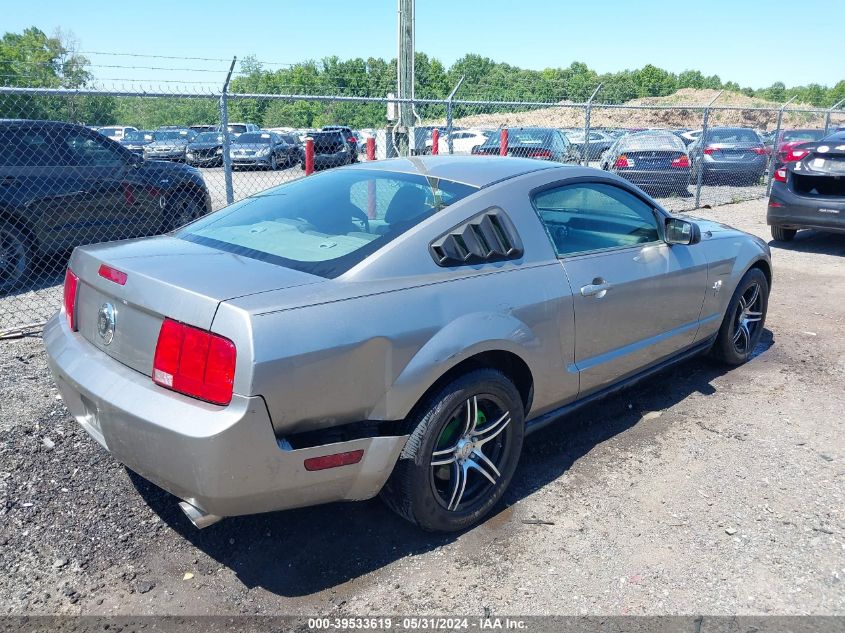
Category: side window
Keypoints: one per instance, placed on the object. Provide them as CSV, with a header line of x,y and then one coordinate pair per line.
x,y
587,217
85,151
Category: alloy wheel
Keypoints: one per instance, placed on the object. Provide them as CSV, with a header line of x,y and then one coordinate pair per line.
x,y
749,314
470,451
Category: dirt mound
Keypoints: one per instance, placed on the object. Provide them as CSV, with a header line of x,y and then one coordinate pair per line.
x,y
675,111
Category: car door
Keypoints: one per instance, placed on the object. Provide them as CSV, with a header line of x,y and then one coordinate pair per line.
x,y
637,299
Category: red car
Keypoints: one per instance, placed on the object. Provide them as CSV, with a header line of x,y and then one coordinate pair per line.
x,y
788,139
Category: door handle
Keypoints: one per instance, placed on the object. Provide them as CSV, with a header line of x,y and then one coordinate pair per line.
x,y
597,289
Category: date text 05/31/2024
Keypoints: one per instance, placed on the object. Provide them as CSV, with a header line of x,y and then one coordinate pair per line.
x,y
417,624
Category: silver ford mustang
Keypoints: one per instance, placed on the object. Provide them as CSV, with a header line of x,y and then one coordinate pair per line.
x,y
392,327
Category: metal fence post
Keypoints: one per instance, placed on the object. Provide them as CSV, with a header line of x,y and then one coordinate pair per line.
x,y
585,147
224,130
699,170
449,113
773,155
828,113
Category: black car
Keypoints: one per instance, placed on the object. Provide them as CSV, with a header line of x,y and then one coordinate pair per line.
x,y
808,191
655,160
136,141
330,150
262,149
206,150
64,185
544,143
348,135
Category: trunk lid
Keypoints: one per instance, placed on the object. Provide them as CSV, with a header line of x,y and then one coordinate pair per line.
x,y
165,277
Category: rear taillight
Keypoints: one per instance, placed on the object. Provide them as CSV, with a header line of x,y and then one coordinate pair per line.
x,y
351,139
622,161
71,289
542,154
680,161
794,155
760,151
780,175
710,150
194,362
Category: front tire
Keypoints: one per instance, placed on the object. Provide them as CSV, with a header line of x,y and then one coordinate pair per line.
x,y
783,235
744,319
464,446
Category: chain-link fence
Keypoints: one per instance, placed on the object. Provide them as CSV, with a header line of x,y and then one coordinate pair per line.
x,y
175,156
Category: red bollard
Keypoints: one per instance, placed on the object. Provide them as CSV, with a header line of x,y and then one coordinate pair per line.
x,y
435,142
503,142
371,148
309,156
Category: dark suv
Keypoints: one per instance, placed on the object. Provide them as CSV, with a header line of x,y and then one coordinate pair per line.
x,y
348,136
62,185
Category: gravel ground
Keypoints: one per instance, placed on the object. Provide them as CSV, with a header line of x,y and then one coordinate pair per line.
x,y
702,491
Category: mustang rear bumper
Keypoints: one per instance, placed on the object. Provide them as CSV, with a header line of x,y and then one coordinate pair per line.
x,y
223,460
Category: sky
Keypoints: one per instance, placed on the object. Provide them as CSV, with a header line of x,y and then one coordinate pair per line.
x,y
753,43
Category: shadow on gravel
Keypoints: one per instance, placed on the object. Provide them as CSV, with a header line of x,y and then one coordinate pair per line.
x,y
301,552
813,242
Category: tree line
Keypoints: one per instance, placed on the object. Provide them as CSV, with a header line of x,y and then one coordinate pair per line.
x,y
34,59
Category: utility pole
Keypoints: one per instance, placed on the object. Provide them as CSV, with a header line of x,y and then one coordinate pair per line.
x,y
405,71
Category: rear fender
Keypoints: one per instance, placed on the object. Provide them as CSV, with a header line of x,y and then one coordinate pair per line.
x,y
458,341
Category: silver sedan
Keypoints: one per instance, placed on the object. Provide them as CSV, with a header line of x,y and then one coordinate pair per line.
x,y
395,327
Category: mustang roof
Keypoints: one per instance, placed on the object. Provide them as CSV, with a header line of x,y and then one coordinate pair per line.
x,y
478,171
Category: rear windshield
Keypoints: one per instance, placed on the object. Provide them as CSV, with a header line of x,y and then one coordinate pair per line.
x,y
803,135
325,224
733,136
651,141
236,128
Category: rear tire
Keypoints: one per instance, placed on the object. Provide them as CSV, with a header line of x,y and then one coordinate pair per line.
x,y
182,208
464,446
783,235
15,258
744,319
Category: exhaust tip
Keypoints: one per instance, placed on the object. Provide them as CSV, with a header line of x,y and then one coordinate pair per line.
x,y
200,518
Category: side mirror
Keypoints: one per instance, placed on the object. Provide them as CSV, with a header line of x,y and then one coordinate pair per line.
x,y
678,231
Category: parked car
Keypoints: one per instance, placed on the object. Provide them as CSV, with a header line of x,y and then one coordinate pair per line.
x,y
169,144
597,144
64,185
199,129
205,150
463,141
787,139
544,143
116,132
330,150
137,140
348,135
808,191
397,326
691,136
731,155
238,128
653,160
262,149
